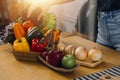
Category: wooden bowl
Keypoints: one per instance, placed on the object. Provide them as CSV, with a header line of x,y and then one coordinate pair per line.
x,y
26,56
57,68
35,56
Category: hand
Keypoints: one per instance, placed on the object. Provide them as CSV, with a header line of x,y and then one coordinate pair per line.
x,y
33,16
43,7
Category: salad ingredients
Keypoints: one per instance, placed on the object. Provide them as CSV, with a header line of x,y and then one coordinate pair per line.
x,y
49,20
18,30
60,46
27,24
21,44
38,45
68,49
54,58
95,54
81,53
33,33
56,35
68,61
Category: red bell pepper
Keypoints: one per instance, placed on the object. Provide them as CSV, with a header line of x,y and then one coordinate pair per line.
x,y
38,46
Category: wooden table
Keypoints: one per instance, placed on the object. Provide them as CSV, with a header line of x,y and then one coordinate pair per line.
x,y
11,69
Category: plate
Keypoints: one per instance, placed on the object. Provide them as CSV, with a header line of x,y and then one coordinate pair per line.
x,y
56,68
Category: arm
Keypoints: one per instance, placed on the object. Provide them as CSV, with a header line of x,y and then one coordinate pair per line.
x,y
45,6
61,1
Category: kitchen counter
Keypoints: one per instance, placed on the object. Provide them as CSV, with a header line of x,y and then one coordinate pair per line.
x,y
12,69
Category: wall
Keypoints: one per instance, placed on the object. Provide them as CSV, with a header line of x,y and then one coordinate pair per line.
x,y
14,9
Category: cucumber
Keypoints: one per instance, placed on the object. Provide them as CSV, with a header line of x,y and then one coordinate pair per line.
x,y
33,33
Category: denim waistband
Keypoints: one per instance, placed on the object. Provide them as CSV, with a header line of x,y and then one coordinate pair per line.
x,y
108,13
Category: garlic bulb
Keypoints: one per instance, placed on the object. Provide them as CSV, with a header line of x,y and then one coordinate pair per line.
x,y
95,54
69,49
60,46
81,53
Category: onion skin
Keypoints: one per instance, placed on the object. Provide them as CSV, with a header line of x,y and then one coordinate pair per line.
x,y
81,53
95,54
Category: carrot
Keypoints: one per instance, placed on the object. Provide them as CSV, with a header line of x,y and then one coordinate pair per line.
x,y
56,35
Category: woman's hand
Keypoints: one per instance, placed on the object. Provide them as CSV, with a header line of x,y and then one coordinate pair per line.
x,y
41,8
37,10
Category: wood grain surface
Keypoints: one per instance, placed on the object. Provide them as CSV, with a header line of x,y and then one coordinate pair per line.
x,y
12,69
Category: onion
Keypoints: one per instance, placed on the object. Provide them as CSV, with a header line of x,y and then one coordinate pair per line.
x,y
81,53
95,54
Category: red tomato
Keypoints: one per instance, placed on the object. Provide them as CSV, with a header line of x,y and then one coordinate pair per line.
x,y
27,24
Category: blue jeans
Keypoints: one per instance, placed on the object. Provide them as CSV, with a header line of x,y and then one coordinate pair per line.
x,y
109,29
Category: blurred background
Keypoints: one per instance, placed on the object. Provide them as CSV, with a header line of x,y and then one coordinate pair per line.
x,y
66,15
10,10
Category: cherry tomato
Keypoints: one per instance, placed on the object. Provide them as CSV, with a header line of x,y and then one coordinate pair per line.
x,y
27,24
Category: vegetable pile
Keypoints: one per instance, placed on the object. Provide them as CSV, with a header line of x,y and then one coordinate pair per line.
x,y
43,39
31,37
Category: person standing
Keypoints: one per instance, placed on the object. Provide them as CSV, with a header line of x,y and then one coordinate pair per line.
x,y
109,23
108,16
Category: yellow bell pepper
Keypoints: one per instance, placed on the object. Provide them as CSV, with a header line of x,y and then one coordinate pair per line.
x,y
21,44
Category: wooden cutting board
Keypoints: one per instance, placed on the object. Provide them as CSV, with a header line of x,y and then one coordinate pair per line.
x,y
70,39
